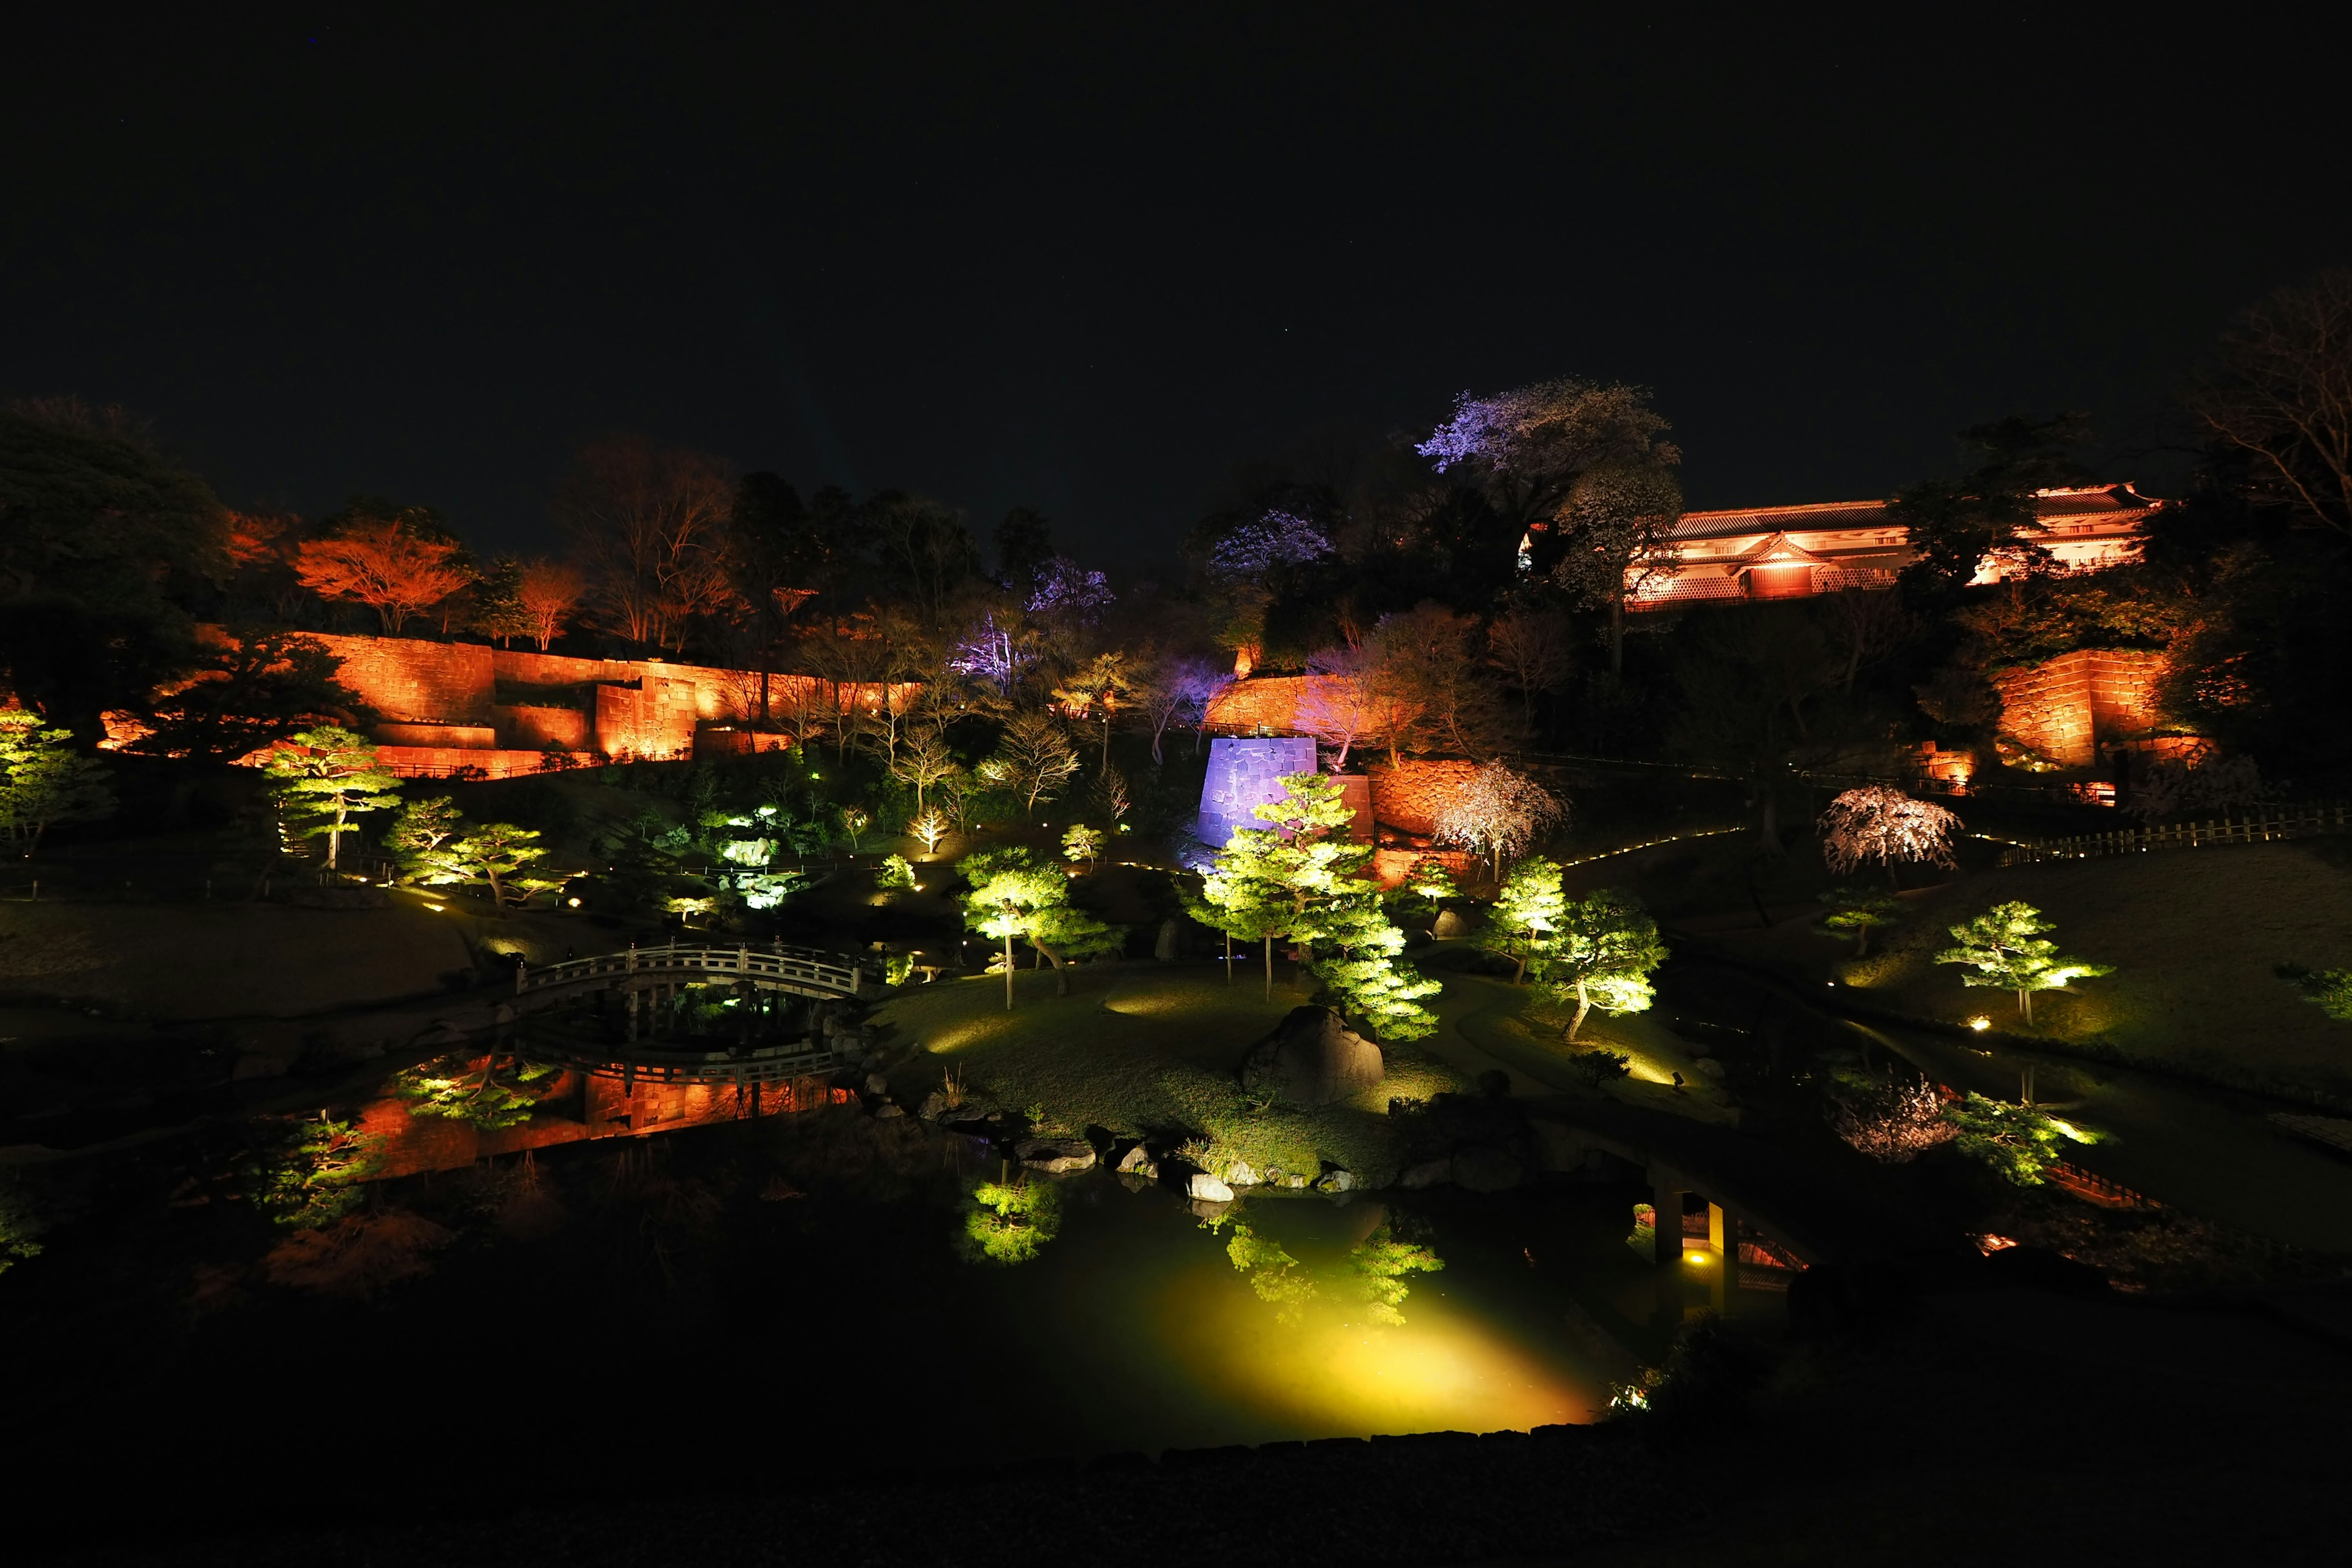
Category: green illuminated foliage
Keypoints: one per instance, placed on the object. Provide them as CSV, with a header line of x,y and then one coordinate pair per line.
x,y
1012,895
488,1093
497,857
895,872
1083,843
1302,877
307,1174
19,1224
419,831
324,778
1274,1274
1009,1222
2006,949
1526,921
2019,1141
1858,911
1379,1267
44,780
1608,944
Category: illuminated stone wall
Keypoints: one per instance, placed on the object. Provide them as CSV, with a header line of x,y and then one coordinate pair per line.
x,y
1269,702
1243,774
2065,707
1406,795
480,698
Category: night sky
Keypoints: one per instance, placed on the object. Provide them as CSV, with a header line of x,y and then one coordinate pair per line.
x,y
1093,259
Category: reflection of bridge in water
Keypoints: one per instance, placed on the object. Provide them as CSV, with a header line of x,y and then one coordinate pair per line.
x,y
650,980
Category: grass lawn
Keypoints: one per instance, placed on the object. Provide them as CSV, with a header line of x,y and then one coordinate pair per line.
x,y
2195,936
1149,1046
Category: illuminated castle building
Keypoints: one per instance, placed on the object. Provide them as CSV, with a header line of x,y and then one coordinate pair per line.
x,y
1795,552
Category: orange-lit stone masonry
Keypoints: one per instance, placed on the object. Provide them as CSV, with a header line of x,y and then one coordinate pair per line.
x,y
579,1108
2064,708
471,699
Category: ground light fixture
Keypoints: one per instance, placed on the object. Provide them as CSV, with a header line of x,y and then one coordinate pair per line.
x,y
1981,1023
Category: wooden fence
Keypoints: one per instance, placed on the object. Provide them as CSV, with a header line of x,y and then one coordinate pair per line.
x,y
2257,826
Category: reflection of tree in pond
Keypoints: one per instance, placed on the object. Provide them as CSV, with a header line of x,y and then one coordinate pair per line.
x,y
1374,1274
19,1223
1009,1222
307,1174
488,1091
1381,1265
1274,1274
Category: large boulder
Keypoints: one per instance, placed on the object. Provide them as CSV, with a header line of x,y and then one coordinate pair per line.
x,y
1202,1187
1312,1058
1056,1154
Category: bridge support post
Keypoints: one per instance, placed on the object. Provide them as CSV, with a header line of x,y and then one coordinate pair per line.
x,y
636,999
1723,1241
1667,1231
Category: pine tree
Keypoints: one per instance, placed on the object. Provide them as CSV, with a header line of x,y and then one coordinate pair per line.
x,y
2006,948
325,777
1525,922
499,856
1014,896
1608,945
1858,911
45,781
1303,878
419,831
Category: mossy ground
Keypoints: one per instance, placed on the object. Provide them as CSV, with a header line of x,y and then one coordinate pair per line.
x,y
1141,1047
2196,937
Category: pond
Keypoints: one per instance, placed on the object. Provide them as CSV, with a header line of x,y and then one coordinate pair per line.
x,y
755,1303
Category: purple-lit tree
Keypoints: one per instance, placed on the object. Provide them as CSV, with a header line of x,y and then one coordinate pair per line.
x,y
1066,591
1178,688
1525,448
1245,568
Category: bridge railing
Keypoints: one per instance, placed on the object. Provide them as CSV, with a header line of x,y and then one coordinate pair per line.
x,y
2259,826
824,971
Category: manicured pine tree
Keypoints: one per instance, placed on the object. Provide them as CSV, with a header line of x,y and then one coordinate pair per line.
x,y
1526,920
326,777
44,780
418,833
499,857
1083,843
1011,895
1608,945
2006,947
1303,878
1858,911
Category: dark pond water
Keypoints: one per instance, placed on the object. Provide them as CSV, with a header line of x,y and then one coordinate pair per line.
x,y
758,1304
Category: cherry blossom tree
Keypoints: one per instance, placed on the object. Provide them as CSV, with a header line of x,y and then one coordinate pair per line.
x,y
1875,825
1495,812
1893,1124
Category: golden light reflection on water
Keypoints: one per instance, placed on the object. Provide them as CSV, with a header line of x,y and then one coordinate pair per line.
x,y
1332,1375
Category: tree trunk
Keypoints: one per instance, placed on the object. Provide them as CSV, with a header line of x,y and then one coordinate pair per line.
x,y
1617,629
2025,1004
1520,975
1269,968
1229,958
1583,1006
1008,972
1061,970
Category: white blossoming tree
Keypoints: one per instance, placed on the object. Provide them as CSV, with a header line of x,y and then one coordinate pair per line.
x,y
1496,813
1878,826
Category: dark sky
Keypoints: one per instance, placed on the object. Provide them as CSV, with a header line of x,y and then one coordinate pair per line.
x,y
1091,259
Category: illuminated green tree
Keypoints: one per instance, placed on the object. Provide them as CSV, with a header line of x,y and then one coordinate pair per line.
x,y
418,834
1858,911
1526,920
490,1092
1302,877
1009,1221
1012,895
1608,945
44,780
307,1174
19,1224
326,777
1083,843
2020,1142
496,856
2006,948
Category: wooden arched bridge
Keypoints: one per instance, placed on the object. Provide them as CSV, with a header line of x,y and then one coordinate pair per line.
x,y
648,978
